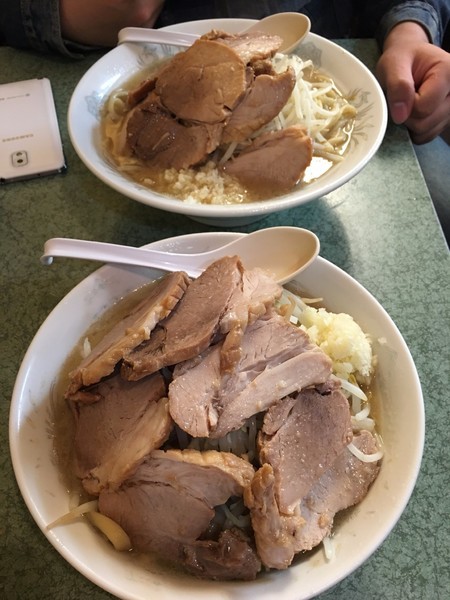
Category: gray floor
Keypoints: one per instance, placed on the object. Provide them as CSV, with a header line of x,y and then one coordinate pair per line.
x,y
434,159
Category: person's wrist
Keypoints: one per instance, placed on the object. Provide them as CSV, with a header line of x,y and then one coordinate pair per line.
x,y
407,32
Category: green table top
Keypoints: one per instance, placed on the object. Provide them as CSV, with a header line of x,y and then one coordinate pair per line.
x,y
380,227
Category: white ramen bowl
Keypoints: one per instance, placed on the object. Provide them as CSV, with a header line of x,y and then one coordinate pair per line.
x,y
359,533
118,65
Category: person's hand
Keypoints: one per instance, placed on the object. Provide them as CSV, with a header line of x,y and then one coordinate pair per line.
x,y
415,75
97,22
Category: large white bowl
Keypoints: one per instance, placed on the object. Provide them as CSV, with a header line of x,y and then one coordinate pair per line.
x,y
350,75
400,421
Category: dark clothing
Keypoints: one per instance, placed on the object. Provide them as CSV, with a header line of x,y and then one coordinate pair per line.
x,y
35,23
332,19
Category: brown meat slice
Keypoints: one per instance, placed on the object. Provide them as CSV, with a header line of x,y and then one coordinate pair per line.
x,y
184,469
264,99
343,485
276,534
133,329
158,138
280,536
204,83
275,161
117,424
191,327
277,359
247,303
140,92
169,501
250,47
306,443
230,557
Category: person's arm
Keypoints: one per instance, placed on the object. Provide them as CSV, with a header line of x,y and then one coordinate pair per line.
x,y
414,70
97,22
31,24
432,15
71,27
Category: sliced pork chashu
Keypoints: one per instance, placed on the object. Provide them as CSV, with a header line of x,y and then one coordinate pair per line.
x,y
221,302
130,331
249,301
169,501
345,484
117,423
191,327
188,470
306,443
251,47
204,83
263,100
274,161
156,136
280,536
229,557
275,533
277,359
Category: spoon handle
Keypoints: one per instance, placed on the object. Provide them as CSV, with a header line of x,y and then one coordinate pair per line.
x,y
118,254
156,36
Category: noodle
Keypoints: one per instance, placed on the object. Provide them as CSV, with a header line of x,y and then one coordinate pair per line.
x,y
364,457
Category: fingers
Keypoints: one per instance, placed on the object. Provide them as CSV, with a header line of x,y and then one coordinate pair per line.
x,y
416,79
431,110
395,76
425,127
400,98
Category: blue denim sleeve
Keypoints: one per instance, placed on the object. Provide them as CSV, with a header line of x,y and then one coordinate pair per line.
x,y
34,24
433,15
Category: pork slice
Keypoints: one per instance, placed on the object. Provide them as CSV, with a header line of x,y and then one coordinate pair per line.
x,y
248,302
276,534
140,92
189,470
344,484
169,501
156,517
117,424
190,328
275,382
230,557
157,137
277,358
262,67
277,415
274,162
279,412
279,536
204,83
130,331
264,99
250,47
194,393
314,434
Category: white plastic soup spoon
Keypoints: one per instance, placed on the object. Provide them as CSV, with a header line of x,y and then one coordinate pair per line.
x,y
282,251
292,27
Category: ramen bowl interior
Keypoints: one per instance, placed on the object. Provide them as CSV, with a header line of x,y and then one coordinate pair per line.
x,y
351,77
358,533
